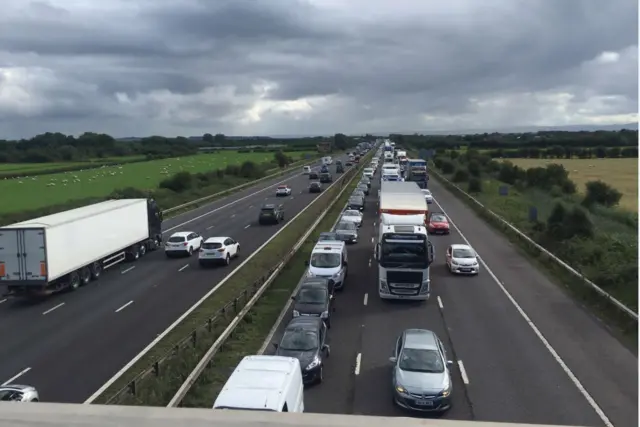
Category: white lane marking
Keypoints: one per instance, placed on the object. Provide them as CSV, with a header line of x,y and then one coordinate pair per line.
x,y
358,360
249,225
372,240
229,204
210,227
53,308
4,300
463,372
16,376
440,303
366,298
124,306
126,270
183,267
250,206
233,215
535,329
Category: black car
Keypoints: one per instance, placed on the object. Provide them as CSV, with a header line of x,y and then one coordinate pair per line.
x,y
315,187
356,203
313,175
364,188
271,214
349,163
357,193
325,177
305,339
313,300
348,230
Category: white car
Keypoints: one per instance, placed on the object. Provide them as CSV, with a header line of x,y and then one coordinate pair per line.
x,y
306,170
352,215
428,197
18,393
216,250
368,172
283,190
183,243
462,259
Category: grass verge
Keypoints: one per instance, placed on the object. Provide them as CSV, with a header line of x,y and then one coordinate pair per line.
x,y
179,352
251,333
624,327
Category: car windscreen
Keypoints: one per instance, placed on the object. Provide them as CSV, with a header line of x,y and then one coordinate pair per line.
x,y
346,225
312,296
438,218
176,239
355,201
325,260
463,253
299,339
351,212
421,360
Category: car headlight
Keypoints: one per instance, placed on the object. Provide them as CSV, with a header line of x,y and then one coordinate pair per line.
x,y
314,363
445,393
324,315
453,262
400,389
296,313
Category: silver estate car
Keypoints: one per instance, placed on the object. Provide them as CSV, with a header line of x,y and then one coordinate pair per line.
x,y
18,393
421,377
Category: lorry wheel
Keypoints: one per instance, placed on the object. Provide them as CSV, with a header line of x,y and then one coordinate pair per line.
x,y
74,281
135,252
96,270
85,276
142,251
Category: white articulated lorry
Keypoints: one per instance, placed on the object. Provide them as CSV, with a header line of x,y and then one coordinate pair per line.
x,y
403,252
69,249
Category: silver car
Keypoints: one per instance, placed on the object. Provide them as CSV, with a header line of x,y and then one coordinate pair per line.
x,y
421,377
348,230
18,393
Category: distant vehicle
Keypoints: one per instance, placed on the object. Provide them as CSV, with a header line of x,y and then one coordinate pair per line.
x,y
324,169
462,259
319,281
313,175
306,170
329,259
437,223
421,379
358,193
325,177
356,203
349,163
368,172
183,243
330,236
364,188
327,160
347,229
315,187
313,300
352,215
18,393
69,249
283,190
428,196
305,339
339,167
365,180
218,250
271,214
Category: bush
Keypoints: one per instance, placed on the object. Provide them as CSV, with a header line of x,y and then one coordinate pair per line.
x,y
460,175
448,167
564,224
601,193
509,173
179,182
438,162
475,185
453,154
474,168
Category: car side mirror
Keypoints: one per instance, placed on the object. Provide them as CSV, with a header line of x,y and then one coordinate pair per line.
x,y
306,262
293,298
393,360
332,297
275,345
449,363
326,347
345,263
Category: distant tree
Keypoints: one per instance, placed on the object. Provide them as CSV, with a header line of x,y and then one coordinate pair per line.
x,y
598,192
208,138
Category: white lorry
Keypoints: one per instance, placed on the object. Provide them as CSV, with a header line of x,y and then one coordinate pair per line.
x,y
69,249
403,252
327,160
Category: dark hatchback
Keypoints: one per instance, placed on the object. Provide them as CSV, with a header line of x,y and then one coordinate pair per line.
x,y
326,177
331,236
305,339
271,214
313,175
356,203
315,187
313,300
364,188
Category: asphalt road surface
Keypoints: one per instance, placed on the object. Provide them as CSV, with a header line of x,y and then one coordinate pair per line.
x,y
70,344
578,374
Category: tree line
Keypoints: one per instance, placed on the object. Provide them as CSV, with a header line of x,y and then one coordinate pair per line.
x,y
547,139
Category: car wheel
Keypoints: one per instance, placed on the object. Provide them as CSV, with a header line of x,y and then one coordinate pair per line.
x,y
227,260
190,251
321,376
238,251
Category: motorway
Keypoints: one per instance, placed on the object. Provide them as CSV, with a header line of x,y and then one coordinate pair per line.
x,y
70,344
504,371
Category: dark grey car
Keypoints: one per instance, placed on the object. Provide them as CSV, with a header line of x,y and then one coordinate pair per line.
x,y
356,203
365,180
421,378
305,339
347,229
313,300
358,193
364,188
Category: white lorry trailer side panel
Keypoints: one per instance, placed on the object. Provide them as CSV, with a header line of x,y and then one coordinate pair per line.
x,y
78,237
401,198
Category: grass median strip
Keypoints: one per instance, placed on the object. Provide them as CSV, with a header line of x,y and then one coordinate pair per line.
x,y
158,388
251,333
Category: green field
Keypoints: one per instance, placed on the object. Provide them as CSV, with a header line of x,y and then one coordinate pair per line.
x,y
14,168
28,193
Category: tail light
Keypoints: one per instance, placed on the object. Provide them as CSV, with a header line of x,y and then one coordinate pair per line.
x,y
185,243
221,250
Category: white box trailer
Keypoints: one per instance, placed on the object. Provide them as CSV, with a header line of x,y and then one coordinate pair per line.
x,y
402,198
68,249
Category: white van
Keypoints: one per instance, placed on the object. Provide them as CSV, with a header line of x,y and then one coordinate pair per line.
x,y
329,259
368,172
327,160
306,170
264,383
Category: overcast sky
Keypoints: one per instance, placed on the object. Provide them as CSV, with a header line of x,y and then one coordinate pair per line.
x,y
265,67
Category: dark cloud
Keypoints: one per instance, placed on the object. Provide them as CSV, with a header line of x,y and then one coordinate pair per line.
x,y
289,66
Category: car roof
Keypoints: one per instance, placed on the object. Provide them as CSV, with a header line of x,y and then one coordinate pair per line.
x,y
282,186
315,280
318,285
181,234
17,387
268,206
423,339
308,323
216,239
460,246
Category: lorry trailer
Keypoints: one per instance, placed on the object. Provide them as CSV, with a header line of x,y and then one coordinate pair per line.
x,y
69,249
402,198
